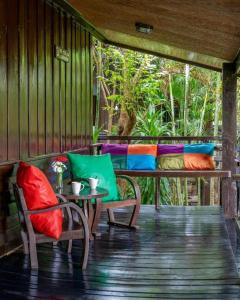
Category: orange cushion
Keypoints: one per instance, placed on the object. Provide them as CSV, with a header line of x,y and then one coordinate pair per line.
x,y
196,161
142,149
39,194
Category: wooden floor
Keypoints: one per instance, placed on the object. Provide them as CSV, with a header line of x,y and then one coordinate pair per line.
x,y
178,253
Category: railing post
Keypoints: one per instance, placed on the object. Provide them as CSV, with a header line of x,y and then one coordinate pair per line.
x,y
229,137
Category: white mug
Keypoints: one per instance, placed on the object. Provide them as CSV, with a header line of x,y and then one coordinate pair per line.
x,y
93,182
77,187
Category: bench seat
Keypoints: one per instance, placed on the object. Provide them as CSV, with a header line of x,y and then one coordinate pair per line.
x,y
175,173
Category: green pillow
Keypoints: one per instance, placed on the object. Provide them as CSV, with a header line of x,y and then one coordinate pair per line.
x,y
100,166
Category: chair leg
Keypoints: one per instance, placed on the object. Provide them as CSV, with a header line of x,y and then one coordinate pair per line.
x,y
33,254
69,246
25,242
132,223
85,254
111,215
85,246
134,216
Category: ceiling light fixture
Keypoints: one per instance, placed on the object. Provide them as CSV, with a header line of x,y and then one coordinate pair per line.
x,y
143,28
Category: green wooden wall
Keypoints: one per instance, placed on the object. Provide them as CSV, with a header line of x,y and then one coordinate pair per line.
x,y
45,103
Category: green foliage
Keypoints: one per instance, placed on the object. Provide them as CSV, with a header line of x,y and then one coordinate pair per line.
x,y
96,132
166,97
150,123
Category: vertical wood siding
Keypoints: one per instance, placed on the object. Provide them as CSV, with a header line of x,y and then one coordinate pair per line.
x,y
45,103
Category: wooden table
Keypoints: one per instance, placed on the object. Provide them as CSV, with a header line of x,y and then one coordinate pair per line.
x,y
92,214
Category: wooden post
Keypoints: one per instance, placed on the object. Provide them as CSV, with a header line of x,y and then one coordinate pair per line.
x,y
229,135
157,193
206,199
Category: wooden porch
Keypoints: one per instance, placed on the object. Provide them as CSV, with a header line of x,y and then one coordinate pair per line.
x,y
178,253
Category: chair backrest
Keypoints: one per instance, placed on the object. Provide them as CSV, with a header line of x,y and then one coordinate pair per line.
x,y
21,204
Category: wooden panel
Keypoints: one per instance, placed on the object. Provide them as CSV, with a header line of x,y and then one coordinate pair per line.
x,y
13,104
83,81
62,43
49,78
68,84
32,79
3,81
39,113
78,86
41,84
73,88
56,86
88,88
23,80
200,33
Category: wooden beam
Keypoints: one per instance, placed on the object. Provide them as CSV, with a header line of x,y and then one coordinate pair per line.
x,y
162,55
237,62
78,17
229,132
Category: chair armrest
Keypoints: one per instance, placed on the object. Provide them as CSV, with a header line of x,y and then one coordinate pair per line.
x,y
134,185
67,205
61,197
47,209
69,215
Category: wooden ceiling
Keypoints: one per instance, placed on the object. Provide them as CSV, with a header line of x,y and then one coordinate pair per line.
x,y
205,32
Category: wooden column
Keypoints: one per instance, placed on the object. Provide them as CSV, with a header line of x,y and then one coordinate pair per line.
x,y
229,134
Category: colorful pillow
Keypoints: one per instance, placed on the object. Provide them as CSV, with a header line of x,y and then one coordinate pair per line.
x,y
189,157
170,156
199,157
100,166
132,157
141,157
118,154
38,194
196,161
171,161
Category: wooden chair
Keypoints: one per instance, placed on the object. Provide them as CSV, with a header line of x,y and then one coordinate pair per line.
x,y
71,229
110,205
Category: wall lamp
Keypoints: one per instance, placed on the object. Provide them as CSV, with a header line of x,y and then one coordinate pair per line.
x,y
143,28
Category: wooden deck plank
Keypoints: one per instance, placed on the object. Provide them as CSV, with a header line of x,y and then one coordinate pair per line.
x,y
178,253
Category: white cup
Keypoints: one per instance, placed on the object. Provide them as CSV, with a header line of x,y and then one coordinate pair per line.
x,y
77,187
93,182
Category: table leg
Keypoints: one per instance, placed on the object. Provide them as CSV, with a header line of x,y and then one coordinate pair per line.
x,y
96,218
86,212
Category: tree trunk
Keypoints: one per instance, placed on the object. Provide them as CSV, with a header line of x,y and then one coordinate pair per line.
x,y
126,123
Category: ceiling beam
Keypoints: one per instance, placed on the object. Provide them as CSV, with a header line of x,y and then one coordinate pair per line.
x,y
105,39
237,63
197,64
78,17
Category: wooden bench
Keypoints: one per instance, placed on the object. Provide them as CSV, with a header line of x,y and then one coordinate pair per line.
x,y
159,173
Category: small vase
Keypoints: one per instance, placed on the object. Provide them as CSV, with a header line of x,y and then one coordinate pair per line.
x,y
59,185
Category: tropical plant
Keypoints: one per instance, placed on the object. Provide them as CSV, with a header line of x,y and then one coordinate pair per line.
x,y
152,96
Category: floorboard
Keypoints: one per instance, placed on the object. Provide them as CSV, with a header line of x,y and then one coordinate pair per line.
x,y
178,253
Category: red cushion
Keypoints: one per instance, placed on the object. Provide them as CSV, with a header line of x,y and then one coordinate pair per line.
x,y
39,194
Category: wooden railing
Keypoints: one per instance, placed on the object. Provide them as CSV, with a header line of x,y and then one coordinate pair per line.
x,y
159,138
157,174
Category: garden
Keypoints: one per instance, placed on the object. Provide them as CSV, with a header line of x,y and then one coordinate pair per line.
x,y
145,95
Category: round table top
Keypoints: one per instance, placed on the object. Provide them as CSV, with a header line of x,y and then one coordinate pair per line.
x,y
85,194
